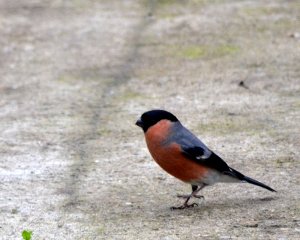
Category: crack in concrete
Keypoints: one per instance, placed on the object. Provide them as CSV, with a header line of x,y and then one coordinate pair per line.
x,y
82,159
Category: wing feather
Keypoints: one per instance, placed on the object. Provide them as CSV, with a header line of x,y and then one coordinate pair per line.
x,y
213,161
197,151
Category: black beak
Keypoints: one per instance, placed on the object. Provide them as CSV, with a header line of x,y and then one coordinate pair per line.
x,y
139,123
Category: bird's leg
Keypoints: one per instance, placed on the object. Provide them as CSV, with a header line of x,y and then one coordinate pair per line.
x,y
195,189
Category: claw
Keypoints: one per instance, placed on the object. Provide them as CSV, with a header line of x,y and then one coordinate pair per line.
x,y
199,196
195,189
187,196
183,196
184,206
193,205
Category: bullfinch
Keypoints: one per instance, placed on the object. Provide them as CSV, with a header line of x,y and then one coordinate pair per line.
x,y
180,153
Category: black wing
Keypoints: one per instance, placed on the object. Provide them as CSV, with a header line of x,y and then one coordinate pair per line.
x,y
194,149
198,155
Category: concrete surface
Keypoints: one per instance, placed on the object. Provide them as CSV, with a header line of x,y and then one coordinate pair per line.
x,y
75,76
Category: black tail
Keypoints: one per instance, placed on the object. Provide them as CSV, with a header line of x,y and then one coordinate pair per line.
x,y
257,183
249,180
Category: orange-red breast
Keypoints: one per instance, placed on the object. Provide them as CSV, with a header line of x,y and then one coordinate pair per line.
x,y
180,153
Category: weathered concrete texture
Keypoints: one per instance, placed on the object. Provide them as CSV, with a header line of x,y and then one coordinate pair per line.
x,y
74,77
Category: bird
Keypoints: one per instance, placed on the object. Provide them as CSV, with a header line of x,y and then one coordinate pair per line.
x,y
181,154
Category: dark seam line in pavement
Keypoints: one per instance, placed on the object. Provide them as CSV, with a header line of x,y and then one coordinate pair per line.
x,y
82,158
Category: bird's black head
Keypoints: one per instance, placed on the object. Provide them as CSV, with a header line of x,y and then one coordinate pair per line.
x,y
152,117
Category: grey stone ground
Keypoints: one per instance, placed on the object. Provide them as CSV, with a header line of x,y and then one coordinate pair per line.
x,y
75,75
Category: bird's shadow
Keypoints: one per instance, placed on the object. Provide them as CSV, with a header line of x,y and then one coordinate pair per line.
x,y
224,205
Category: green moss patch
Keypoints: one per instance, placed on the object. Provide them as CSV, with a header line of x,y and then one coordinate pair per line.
x,y
203,51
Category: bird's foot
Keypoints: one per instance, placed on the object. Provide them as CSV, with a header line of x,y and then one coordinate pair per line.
x,y
188,196
184,206
199,197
